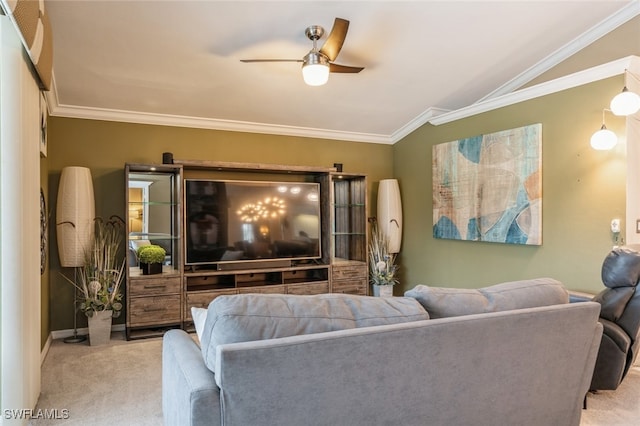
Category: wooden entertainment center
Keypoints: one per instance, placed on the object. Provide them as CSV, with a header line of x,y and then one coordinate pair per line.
x,y
156,214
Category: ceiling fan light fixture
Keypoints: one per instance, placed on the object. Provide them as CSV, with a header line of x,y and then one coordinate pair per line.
x,y
315,69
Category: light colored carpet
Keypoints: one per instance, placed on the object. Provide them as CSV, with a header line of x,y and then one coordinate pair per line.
x,y
615,408
121,384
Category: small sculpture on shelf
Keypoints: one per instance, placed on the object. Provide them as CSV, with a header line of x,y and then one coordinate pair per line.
x,y
151,258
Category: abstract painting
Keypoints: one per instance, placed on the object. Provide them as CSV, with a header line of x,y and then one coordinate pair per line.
x,y
489,187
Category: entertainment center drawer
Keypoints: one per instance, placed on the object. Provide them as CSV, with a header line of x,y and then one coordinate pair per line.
x,y
350,287
319,287
201,299
264,289
154,285
351,270
154,310
299,276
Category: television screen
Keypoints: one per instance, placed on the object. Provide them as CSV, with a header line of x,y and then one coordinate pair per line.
x,y
235,221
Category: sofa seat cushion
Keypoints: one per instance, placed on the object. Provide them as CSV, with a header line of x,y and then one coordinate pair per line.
x,y
250,317
450,302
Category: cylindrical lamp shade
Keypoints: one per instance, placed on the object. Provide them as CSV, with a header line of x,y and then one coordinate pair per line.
x,y
390,213
75,212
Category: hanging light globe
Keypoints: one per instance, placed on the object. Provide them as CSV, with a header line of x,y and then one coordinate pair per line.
x,y
625,103
604,139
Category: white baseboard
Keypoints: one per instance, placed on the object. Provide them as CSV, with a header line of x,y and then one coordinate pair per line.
x,y
61,334
45,349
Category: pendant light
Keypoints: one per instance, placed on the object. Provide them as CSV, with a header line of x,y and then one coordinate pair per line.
x,y
625,102
604,139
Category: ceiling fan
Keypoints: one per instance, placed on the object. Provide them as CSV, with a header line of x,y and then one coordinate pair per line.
x,y
317,64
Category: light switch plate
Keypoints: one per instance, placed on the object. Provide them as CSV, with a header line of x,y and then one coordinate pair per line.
x,y
615,225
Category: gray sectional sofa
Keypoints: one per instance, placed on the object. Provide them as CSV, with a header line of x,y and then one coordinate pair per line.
x,y
491,357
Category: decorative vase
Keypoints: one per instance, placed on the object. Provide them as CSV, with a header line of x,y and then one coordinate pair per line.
x,y
151,268
383,290
100,328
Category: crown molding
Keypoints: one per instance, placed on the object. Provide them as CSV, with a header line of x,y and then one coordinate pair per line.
x,y
104,114
589,75
212,124
622,16
417,122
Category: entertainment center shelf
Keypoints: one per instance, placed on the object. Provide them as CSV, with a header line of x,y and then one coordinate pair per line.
x,y
202,287
216,280
210,254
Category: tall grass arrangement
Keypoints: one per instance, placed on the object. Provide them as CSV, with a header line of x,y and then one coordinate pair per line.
x,y
382,267
102,275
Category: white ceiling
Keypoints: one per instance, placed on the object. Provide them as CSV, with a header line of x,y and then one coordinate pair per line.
x,y
178,62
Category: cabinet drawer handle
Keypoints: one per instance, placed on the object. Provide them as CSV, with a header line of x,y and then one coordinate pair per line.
x,y
150,287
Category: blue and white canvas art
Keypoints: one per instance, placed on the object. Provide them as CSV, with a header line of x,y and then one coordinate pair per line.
x,y
489,187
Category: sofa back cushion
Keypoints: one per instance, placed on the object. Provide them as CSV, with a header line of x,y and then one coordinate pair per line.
x,y
450,302
249,317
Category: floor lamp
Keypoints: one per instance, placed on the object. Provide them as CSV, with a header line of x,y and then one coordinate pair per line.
x,y
390,213
75,212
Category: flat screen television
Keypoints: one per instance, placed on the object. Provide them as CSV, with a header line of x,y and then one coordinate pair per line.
x,y
234,221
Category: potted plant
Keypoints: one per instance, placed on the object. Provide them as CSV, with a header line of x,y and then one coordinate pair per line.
x,y
382,267
151,258
100,279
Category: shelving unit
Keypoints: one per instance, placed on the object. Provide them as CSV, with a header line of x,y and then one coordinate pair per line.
x,y
349,233
153,200
158,302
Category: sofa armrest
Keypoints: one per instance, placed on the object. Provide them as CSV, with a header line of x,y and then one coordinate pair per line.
x,y
190,395
617,335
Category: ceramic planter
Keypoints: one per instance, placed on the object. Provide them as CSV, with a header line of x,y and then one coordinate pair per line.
x,y
383,290
151,268
100,328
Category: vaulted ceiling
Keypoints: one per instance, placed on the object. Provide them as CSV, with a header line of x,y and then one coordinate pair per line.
x,y
178,62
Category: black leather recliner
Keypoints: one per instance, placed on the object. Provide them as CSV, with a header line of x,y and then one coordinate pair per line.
x,y
620,316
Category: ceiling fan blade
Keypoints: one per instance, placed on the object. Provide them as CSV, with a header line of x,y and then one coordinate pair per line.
x,y
344,68
334,42
270,60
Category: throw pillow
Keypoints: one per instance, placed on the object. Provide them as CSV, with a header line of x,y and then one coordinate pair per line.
x,y
250,317
450,302
199,316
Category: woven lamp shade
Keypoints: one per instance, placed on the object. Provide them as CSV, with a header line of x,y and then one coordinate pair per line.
x,y
75,213
390,213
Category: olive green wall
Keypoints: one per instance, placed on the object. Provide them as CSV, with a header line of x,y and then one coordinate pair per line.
x,y
583,190
105,147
